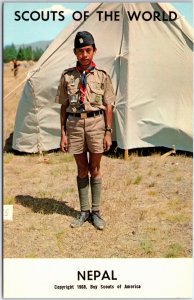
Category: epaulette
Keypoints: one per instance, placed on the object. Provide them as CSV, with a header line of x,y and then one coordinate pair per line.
x,y
101,70
69,70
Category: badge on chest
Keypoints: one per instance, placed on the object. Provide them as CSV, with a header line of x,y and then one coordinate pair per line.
x,y
73,92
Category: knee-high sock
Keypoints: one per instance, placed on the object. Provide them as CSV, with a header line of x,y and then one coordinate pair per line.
x,y
83,186
96,187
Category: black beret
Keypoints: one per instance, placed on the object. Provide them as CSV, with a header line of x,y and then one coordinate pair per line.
x,y
82,39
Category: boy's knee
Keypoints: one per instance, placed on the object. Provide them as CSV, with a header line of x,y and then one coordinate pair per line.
x,y
82,173
95,172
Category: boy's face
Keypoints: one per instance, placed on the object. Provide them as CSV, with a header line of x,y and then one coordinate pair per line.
x,y
85,55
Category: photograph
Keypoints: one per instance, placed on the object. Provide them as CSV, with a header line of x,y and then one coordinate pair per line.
x,y
98,149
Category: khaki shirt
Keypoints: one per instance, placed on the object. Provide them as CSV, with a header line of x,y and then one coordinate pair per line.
x,y
99,90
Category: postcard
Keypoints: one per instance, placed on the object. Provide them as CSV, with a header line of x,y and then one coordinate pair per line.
x,y
97,150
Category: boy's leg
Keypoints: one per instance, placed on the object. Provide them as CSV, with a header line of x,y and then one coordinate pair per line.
x,y
96,187
83,186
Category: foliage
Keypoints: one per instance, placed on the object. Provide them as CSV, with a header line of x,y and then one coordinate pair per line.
x,y
9,53
23,53
37,54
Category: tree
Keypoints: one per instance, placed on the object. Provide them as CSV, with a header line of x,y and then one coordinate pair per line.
x,y
21,54
9,53
37,54
28,53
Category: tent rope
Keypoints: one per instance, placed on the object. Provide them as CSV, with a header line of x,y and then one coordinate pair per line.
x,y
15,89
25,79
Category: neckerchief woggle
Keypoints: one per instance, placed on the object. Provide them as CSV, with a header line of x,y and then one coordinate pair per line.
x,y
83,79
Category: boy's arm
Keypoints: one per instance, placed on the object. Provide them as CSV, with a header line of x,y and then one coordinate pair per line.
x,y
108,124
63,118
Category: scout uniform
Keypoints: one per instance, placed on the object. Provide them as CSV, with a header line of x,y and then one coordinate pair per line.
x,y
99,93
99,90
85,94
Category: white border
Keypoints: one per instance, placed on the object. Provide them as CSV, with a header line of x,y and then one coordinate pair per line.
x,y
158,278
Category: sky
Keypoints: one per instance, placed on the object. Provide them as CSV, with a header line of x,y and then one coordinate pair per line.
x,y
24,32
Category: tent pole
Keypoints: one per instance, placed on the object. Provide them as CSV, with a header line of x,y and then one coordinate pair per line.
x,y
126,154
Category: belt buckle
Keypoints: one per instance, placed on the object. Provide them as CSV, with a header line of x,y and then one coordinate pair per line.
x,y
83,115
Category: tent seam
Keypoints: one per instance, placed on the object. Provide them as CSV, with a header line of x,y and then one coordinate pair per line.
x,y
36,115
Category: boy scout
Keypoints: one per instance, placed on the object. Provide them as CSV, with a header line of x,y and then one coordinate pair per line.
x,y
87,98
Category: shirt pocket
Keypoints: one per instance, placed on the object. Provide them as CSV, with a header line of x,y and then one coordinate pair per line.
x,y
96,92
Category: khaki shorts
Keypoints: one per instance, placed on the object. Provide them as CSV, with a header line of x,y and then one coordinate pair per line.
x,y
85,134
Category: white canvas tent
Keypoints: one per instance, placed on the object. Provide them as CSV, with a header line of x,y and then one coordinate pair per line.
x,y
150,63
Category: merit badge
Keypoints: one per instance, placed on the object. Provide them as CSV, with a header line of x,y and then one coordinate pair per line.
x,y
97,99
81,41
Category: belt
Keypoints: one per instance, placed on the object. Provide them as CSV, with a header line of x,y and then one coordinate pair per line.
x,y
85,115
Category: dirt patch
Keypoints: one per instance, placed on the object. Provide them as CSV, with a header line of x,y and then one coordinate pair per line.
x,y
146,202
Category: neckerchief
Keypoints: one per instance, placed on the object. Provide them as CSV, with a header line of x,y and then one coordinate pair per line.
x,y
83,80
